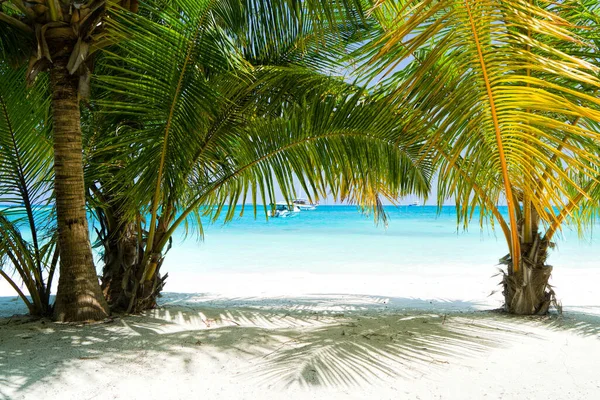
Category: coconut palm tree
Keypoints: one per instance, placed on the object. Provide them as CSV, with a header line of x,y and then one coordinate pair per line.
x,y
508,89
61,37
197,112
27,232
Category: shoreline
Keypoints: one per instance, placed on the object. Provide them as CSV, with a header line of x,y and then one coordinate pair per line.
x,y
461,289
424,333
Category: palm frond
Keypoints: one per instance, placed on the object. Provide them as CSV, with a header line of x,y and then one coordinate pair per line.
x,y
178,66
16,37
198,112
26,184
347,144
501,83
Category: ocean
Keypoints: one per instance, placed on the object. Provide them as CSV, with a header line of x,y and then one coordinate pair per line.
x,y
421,258
339,239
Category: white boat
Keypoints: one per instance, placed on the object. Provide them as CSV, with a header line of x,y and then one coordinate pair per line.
x,y
413,204
284,210
305,205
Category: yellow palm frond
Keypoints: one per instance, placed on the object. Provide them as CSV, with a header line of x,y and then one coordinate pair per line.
x,y
501,83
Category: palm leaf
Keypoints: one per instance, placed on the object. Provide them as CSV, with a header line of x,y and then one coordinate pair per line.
x,y
348,145
25,176
197,107
172,56
501,82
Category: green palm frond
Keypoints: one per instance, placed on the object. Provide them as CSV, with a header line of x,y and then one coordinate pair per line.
x,y
170,60
25,144
198,112
349,145
173,56
25,186
287,32
582,211
16,37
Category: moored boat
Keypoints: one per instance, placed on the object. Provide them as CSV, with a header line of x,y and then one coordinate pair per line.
x,y
305,205
283,210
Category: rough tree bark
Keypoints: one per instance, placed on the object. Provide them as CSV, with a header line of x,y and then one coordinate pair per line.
x,y
79,297
527,291
122,274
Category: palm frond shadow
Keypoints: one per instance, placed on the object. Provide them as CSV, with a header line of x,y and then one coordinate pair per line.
x,y
180,334
322,302
273,348
294,346
366,351
579,323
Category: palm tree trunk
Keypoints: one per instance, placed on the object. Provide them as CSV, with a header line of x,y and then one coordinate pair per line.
x,y
123,285
79,297
527,292
123,268
122,255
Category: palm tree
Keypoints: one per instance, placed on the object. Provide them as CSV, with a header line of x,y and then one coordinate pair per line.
x,y
27,238
199,113
61,37
508,90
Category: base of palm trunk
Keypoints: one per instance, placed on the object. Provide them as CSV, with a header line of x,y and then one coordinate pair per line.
x,y
124,290
122,274
527,291
87,309
44,311
147,294
79,298
127,294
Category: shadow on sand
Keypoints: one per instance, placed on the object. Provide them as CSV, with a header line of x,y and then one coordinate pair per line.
x,y
336,341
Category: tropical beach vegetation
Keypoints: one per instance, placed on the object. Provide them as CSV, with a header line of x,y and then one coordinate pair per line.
x,y
209,102
247,88
61,38
269,119
160,121
508,90
26,172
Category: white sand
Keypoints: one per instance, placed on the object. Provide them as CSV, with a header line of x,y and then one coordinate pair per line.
x,y
217,349
299,336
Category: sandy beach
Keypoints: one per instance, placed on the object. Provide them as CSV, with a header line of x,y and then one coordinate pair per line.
x,y
299,200
262,344
325,306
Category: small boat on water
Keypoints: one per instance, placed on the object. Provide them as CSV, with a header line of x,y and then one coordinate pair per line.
x,y
283,210
305,205
413,204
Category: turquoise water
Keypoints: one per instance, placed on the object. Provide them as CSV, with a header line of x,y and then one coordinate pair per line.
x,y
339,239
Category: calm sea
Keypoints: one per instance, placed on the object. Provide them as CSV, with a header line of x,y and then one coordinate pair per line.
x,y
339,239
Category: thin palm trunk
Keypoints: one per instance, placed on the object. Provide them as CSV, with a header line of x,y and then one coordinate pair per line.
x,y
121,256
122,276
79,297
122,279
123,270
